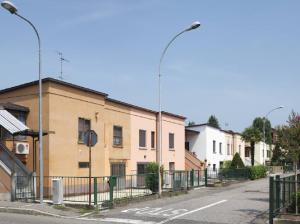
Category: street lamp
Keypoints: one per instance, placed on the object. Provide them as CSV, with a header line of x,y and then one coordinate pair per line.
x,y
193,26
264,128
13,10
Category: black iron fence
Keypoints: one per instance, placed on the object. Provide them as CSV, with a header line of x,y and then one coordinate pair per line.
x,y
282,195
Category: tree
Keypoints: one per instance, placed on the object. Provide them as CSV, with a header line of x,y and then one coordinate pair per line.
x,y
259,124
289,138
277,156
237,162
252,135
191,123
213,121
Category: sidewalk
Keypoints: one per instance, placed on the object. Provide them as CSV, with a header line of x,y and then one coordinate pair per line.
x,y
43,209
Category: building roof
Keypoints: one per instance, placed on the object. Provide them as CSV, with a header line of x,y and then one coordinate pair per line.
x,y
86,90
208,125
12,106
54,81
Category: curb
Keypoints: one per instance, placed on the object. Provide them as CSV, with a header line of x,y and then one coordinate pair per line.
x,y
36,212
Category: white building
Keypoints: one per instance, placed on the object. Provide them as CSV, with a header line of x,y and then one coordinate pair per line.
x,y
262,153
213,145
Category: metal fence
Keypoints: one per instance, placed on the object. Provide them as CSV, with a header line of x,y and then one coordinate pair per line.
x,y
282,195
106,190
226,174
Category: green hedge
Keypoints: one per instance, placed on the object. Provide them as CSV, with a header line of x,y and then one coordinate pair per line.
x,y
256,172
151,177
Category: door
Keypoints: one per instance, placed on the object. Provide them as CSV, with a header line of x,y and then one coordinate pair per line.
x,y
141,171
119,170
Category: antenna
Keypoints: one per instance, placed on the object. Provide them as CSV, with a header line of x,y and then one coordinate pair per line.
x,y
61,59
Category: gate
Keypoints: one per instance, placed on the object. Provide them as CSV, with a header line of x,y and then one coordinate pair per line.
x,y
23,187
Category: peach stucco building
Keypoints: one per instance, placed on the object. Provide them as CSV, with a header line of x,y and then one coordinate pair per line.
x,y
127,133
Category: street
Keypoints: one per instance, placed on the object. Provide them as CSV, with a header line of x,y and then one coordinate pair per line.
x,y
245,202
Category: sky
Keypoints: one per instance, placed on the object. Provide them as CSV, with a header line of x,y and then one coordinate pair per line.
x,y
242,62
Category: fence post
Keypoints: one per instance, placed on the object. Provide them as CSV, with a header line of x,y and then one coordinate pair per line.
x,y
277,191
198,178
173,178
95,191
283,192
13,186
289,179
205,176
192,174
271,199
111,191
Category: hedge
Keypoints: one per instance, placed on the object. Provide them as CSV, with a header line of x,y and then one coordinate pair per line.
x,y
256,172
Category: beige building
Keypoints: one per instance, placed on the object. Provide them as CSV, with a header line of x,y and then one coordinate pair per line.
x,y
126,133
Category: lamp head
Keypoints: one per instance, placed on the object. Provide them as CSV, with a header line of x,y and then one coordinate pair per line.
x,y
194,25
9,7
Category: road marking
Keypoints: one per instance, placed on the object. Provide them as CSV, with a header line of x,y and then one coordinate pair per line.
x,y
196,210
130,221
163,212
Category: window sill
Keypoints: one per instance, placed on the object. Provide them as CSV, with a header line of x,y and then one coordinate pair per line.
x,y
153,148
80,143
118,146
171,149
142,148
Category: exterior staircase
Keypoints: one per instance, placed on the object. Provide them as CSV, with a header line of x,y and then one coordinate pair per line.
x,y
192,162
12,170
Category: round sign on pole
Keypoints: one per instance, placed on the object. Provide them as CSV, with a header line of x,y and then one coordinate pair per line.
x,y
90,138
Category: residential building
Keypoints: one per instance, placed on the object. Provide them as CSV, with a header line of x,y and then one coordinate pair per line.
x,y
127,134
213,145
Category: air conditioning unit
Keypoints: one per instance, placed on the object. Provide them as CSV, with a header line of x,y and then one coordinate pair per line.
x,y
22,148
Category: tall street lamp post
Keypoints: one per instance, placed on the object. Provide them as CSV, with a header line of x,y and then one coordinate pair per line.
x,y
194,25
13,10
264,129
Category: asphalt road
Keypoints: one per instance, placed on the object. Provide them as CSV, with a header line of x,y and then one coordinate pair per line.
x,y
245,202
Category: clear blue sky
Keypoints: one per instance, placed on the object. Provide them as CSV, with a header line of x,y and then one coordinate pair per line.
x,y
243,61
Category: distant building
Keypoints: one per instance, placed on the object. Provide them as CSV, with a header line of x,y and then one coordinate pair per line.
x,y
213,145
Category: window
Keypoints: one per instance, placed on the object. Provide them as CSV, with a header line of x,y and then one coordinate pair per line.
x,y
171,140
118,136
171,166
247,152
83,164
142,138
221,164
228,149
220,147
152,140
84,125
268,153
187,146
214,146
214,167
117,169
240,149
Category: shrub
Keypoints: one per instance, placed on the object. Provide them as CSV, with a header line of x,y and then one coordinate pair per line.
x,y
257,172
227,164
292,207
237,162
151,178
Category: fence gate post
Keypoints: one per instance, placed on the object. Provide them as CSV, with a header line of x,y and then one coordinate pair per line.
x,y
271,199
283,192
277,191
95,191
205,176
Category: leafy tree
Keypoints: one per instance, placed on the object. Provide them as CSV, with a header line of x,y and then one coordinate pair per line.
x,y
213,121
289,138
252,135
191,123
237,162
277,156
259,124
